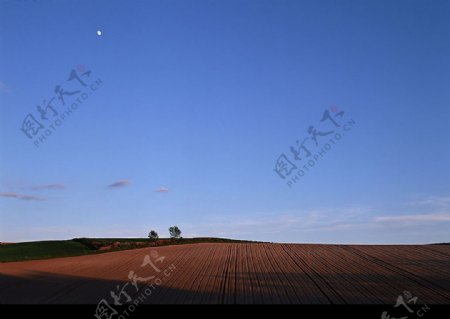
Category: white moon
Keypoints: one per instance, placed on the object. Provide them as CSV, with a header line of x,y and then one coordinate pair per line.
x,y
99,32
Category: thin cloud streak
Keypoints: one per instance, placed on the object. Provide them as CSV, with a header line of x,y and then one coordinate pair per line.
x,y
47,187
433,202
317,220
20,196
437,217
119,184
322,220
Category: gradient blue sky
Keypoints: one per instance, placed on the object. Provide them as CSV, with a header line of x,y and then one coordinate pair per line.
x,y
198,100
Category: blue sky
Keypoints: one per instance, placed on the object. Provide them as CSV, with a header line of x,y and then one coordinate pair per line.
x,y
195,101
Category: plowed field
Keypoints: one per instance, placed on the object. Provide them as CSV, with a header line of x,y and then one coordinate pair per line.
x,y
235,273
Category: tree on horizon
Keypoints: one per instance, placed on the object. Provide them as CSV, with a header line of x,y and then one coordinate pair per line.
x,y
153,235
174,232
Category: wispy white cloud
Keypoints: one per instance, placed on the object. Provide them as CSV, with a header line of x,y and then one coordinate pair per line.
x,y
20,196
324,220
433,202
433,209
435,217
162,190
26,186
119,184
300,221
47,187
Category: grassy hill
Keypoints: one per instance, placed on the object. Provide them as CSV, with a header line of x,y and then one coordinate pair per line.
x,y
82,246
42,250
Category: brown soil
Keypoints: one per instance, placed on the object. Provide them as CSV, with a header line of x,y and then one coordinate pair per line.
x,y
238,273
